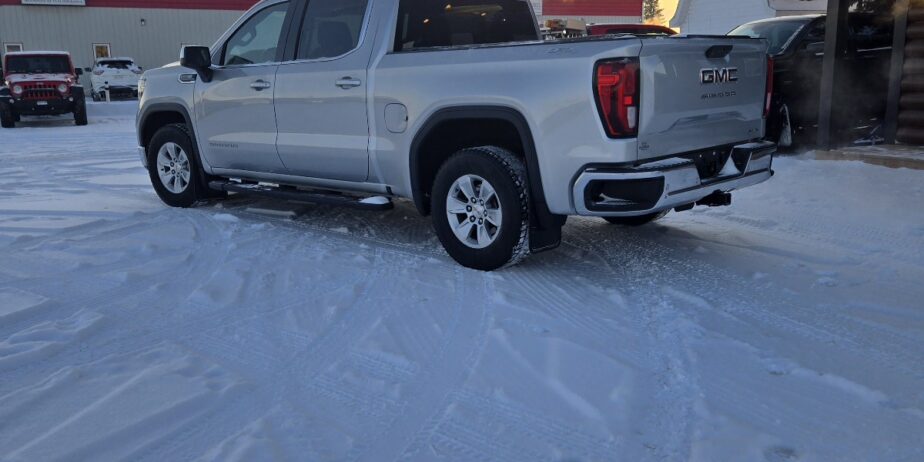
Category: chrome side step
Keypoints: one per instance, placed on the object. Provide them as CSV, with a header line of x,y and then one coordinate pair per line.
x,y
378,203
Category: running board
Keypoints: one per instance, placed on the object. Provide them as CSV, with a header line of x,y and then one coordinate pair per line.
x,y
316,197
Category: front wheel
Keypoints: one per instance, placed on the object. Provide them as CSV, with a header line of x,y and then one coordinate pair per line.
x,y
480,206
7,118
636,221
80,113
173,168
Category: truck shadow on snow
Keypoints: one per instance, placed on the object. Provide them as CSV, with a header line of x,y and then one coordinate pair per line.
x,y
586,240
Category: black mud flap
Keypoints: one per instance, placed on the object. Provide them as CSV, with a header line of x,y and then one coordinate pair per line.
x,y
542,239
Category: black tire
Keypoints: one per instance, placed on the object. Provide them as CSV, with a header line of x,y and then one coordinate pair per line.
x,y
641,220
195,189
95,96
507,175
7,118
80,112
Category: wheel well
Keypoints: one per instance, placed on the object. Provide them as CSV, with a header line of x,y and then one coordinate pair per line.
x,y
448,137
158,120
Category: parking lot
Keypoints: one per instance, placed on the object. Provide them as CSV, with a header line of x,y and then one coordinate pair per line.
x,y
785,327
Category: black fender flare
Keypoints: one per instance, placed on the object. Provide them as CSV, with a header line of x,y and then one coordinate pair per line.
x,y
156,108
541,218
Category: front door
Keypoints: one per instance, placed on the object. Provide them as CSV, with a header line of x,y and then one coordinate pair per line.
x,y
234,112
321,96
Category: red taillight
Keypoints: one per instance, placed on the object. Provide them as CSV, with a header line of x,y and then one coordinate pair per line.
x,y
616,86
98,72
769,97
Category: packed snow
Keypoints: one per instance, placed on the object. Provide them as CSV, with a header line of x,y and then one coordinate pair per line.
x,y
786,327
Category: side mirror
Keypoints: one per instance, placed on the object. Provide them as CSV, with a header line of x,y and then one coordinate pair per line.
x,y
87,69
199,59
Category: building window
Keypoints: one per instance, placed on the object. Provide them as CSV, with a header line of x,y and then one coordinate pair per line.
x,y
11,47
102,50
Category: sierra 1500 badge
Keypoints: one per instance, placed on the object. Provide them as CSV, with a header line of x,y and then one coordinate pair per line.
x,y
723,75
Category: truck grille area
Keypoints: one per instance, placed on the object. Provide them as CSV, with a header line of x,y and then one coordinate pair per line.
x,y
41,91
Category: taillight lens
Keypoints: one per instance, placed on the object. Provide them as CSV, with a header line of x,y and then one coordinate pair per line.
x,y
616,86
98,72
769,97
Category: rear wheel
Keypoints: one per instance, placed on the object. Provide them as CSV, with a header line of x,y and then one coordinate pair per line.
x,y
480,208
636,221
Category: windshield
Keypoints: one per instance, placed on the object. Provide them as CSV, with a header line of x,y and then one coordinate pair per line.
x,y
116,64
38,65
778,33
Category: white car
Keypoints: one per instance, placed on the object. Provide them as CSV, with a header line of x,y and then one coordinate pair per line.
x,y
117,75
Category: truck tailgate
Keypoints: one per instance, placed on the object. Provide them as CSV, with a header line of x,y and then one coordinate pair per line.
x,y
699,92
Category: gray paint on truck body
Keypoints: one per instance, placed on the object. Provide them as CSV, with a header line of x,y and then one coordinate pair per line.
x,y
559,107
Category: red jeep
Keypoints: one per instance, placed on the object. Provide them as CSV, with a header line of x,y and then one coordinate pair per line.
x,y
40,83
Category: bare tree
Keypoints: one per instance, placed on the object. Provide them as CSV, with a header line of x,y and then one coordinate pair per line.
x,y
651,10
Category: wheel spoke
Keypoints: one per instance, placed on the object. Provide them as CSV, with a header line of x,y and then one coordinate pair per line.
x,y
486,192
455,206
483,237
465,184
463,230
493,216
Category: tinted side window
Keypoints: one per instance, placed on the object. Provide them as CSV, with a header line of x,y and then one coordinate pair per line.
x,y
257,39
331,28
433,23
871,32
816,33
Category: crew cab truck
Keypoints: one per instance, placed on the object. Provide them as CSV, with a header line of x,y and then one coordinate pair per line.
x,y
40,83
450,105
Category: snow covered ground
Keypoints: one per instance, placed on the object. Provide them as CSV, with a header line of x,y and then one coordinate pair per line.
x,y
789,326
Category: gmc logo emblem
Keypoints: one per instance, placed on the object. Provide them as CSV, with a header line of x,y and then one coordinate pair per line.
x,y
723,75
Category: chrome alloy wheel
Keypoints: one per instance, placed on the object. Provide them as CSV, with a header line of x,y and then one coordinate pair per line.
x,y
173,168
474,211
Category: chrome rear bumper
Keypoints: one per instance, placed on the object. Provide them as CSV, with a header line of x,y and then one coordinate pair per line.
x,y
668,183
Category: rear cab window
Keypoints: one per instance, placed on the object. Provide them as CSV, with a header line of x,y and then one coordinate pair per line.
x,y
426,24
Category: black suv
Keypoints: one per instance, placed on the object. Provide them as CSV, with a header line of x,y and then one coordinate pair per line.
x,y
797,46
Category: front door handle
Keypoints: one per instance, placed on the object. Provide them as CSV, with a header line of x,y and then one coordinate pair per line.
x,y
348,82
260,85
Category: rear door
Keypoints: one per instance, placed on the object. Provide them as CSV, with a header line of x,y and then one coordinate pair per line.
x,y
321,96
235,116
699,93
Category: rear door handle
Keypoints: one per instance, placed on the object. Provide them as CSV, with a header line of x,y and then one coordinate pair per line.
x,y
260,85
348,82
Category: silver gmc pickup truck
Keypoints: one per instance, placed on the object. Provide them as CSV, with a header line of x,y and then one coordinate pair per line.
x,y
459,106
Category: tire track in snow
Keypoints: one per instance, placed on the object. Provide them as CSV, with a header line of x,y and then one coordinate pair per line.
x,y
433,386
